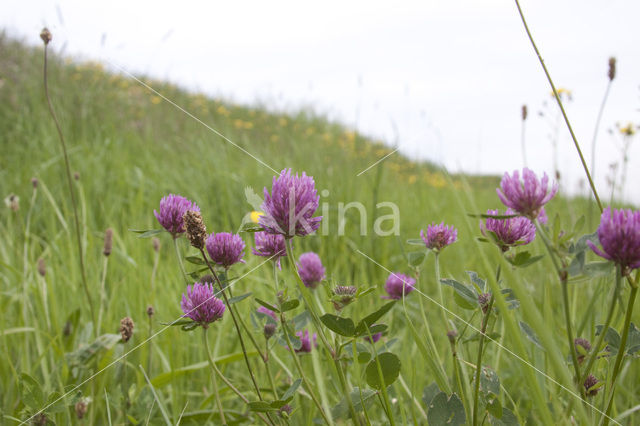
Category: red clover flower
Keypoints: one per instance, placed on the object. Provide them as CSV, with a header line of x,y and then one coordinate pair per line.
x,y
290,206
395,284
172,209
270,245
201,305
619,235
438,237
225,249
310,269
510,232
305,339
528,197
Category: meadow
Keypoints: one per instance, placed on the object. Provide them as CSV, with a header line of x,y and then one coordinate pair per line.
x,y
70,361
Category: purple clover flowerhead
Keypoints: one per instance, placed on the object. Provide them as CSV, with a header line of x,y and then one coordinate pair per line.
x,y
305,339
201,305
438,237
526,198
310,269
288,210
396,283
619,235
270,245
225,249
510,232
267,311
172,209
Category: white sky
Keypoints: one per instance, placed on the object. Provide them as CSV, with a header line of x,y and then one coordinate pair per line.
x,y
449,76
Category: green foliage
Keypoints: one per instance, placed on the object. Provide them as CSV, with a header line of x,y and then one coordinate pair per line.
x,y
386,365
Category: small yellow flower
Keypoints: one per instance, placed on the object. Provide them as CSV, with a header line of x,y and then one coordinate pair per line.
x,y
628,130
413,179
255,216
156,100
562,93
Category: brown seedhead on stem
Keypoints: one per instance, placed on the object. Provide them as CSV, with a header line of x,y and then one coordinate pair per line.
x,y
46,36
156,244
525,112
126,328
196,230
108,242
81,408
42,267
150,311
34,182
612,68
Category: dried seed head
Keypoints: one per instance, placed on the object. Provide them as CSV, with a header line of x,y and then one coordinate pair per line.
x,y
150,311
589,383
108,242
156,244
612,68
81,408
126,328
196,230
524,112
207,279
76,175
13,202
269,330
451,335
34,182
46,36
42,267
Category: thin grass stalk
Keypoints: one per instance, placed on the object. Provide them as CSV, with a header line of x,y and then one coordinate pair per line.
x,y
485,321
74,206
564,114
213,378
621,352
593,356
383,388
182,270
103,295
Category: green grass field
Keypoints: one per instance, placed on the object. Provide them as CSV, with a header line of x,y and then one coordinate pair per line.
x,y
129,147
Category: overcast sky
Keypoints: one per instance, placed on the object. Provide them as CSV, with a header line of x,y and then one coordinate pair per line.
x,y
445,80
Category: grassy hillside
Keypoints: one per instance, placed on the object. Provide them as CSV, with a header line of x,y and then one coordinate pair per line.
x,y
129,147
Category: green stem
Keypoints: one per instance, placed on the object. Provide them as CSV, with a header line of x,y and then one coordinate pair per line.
x,y
457,369
621,351
562,276
383,387
184,272
235,323
85,286
439,286
215,383
296,361
485,321
345,388
564,114
596,348
103,296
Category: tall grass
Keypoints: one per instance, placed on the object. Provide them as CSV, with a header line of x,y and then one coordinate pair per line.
x,y
129,148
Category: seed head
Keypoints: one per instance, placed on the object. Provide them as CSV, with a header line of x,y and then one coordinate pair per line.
x,y
584,344
483,301
196,230
589,384
150,311
126,329
108,242
156,244
34,182
451,335
81,408
42,267
524,112
13,202
46,36
612,68
269,330
76,175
